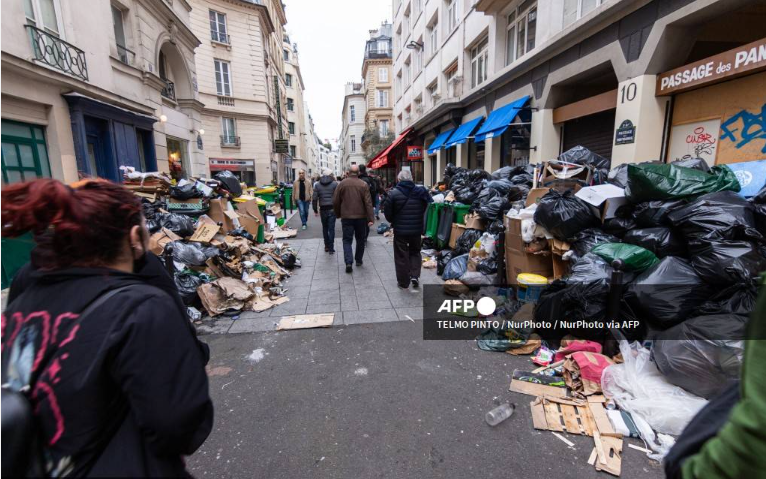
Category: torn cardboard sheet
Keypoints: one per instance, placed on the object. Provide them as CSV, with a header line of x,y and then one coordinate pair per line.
x,y
288,233
205,233
306,321
582,371
538,385
161,238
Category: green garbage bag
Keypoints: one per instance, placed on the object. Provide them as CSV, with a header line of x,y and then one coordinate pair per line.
x,y
658,181
634,258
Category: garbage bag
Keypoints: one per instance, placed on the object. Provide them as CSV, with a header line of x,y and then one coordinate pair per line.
x,y
187,284
229,182
657,181
694,163
634,258
442,259
518,192
619,176
565,215
735,299
484,196
661,241
188,253
476,278
501,186
584,241
721,215
464,194
466,241
241,232
655,213
667,293
703,355
494,208
759,209
456,267
496,227
638,387
478,175
428,243
288,260
185,192
724,262
181,225
487,266
508,172
583,156
383,227
618,226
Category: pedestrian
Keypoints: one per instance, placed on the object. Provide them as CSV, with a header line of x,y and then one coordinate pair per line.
x,y
323,195
302,191
372,185
353,205
404,209
97,336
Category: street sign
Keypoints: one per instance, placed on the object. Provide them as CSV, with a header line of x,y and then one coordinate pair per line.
x,y
626,133
282,146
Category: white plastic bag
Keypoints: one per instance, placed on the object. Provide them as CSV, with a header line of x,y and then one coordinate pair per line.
x,y
487,243
439,198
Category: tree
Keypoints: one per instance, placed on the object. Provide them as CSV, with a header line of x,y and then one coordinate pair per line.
x,y
373,143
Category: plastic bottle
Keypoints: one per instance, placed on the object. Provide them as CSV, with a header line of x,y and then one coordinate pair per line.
x,y
499,414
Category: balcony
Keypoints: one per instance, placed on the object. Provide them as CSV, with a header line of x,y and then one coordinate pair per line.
x,y
55,52
220,37
169,90
126,56
230,141
225,100
375,53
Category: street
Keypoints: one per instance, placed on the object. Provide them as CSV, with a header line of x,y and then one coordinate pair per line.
x,y
368,397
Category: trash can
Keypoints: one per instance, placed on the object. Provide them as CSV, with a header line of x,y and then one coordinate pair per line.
x,y
460,211
432,219
531,287
268,197
261,238
289,198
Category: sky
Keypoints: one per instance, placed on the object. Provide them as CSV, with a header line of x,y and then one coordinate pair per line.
x,y
331,36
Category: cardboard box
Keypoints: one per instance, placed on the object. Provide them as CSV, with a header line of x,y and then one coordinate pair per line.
x,y
457,230
473,221
605,197
517,262
513,233
535,194
205,233
219,212
562,177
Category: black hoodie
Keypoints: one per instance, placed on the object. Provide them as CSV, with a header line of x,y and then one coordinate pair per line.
x,y
125,392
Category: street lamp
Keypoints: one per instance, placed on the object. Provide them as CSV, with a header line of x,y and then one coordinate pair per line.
x,y
413,45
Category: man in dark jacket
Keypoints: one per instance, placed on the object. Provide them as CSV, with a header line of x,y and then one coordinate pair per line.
x,y
373,185
323,193
353,205
404,209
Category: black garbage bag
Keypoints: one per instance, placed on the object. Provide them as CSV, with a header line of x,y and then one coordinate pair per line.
x,y
720,215
466,241
696,163
241,232
736,299
478,175
661,241
464,194
759,204
667,293
494,208
187,284
456,267
518,193
502,186
580,155
487,266
150,209
619,176
185,192
523,179
587,239
428,243
288,260
229,182
181,225
508,172
618,226
484,196
565,215
655,213
703,354
188,253
442,259
459,178
723,262
496,227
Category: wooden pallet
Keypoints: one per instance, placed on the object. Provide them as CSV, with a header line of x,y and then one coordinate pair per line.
x,y
563,415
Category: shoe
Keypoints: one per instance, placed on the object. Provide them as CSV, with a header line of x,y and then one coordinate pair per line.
x,y
415,283
403,287
348,268
332,251
359,263
326,249
303,227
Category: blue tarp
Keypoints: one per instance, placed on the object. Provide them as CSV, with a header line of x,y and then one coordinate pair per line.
x,y
463,132
498,121
439,141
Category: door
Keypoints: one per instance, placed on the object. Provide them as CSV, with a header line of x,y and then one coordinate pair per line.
x,y
594,132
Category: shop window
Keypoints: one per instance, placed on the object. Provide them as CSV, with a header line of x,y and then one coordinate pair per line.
x,y
514,143
24,153
476,155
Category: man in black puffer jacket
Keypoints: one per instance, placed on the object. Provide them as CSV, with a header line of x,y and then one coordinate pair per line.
x,y
324,189
404,209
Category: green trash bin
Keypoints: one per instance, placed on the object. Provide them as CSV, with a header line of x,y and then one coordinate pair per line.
x,y
460,211
16,253
432,219
289,198
261,229
268,197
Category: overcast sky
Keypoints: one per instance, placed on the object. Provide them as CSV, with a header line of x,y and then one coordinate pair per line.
x,y
331,35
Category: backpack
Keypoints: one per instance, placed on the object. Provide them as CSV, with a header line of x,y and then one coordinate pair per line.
x,y
22,450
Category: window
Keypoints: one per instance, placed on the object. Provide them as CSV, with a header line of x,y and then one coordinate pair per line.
x,y
479,56
574,9
383,46
383,75
433,38
45,11
290,104
382,98
383,124
398,85
406,75
432,92
418,59
288,80
25,156
286,54
229,131
520,31
353,143
352,114
406,25
291,127
222,78
452,6
292,151
452,81
218,31
119,35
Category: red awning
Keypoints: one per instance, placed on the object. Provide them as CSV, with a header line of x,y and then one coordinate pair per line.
x,y
382,159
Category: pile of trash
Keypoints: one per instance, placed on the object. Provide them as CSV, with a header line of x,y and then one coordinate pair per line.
x,y
219,242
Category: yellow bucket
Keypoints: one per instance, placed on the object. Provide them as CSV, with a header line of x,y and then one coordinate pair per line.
x,y
531,287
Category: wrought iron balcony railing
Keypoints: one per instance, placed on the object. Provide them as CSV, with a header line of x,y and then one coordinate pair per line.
x,y
169,91
125,55
56,53
220,37
227,140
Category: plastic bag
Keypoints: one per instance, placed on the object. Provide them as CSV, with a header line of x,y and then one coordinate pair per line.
x,y
444,229
655,213
580,155
439,198
466,241
722,215
464,194
442,259
487,266
496,227
383,227
507,172
502,186
181,225
724,262
661,241
619,176
565,215
584,241
736,299
476,278
703,355
456,267
618,226
188,253
185,192
518,193
667,293
494,208
229,182
694,163
640,389
487,242
634,258
288,260
187,284
653,181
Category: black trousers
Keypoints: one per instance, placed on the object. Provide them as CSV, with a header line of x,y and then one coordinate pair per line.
x,y
353,228
327,215
406,258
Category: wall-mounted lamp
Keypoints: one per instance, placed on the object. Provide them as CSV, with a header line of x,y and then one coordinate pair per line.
x,y
413,45
201,131
163,118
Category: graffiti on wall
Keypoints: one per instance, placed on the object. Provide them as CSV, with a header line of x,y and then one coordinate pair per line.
x,y
695,140
745,127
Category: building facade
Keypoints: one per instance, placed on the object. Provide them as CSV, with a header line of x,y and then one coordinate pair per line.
x,y
311,143
241,67
378,82
354,111
89,87
489,83
296,111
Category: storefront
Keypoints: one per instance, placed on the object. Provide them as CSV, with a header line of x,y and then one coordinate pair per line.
x,y
719,106
392,158
244,170
588,123
511,124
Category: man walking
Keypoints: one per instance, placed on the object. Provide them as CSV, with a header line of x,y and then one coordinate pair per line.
x,y
404,209
373,186
353,205
302,190
323,194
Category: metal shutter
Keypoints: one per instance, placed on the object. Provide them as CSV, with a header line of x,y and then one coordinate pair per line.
x,y
594,132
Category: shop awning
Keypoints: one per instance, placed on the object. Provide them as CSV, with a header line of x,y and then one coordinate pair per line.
x,y
439,141
463,132
382,159
499,120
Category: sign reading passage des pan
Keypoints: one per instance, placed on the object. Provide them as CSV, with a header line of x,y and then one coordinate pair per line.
x,y
730,64
625,134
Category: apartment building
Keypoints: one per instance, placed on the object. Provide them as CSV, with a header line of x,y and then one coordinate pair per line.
x,y
487,83
311,143
296,111
85,91
354,111
241,64
335,164
378,83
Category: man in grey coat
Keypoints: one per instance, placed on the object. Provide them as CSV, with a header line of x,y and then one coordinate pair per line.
x,y
323,193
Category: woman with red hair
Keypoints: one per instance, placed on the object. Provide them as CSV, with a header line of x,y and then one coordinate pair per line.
x,y
118,386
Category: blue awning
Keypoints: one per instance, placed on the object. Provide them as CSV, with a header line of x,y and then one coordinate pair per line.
x,y
498,121
439,141
463,132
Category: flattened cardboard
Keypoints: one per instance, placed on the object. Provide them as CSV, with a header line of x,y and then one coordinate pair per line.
x,y
161,238
251,208
250,224
306,321
205,233
535,194
218,209
474,221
